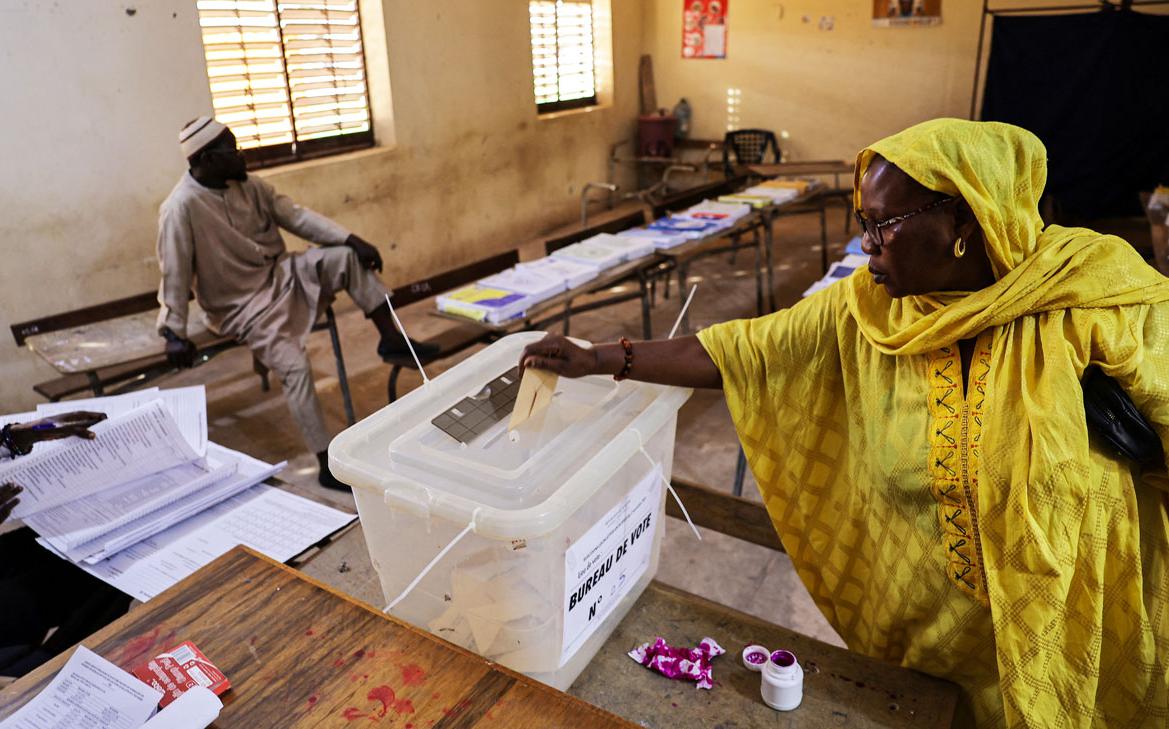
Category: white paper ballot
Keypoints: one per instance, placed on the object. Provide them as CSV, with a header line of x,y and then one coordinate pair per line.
x,y
196,708
88,691
188,405
275,523
141,442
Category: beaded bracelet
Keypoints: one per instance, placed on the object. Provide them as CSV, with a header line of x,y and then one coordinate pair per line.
x,y
9,442
628,347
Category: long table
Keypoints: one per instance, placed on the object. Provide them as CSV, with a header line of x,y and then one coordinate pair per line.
x,y
759,222
299,654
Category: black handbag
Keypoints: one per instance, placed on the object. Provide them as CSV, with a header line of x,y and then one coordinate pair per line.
x,y
1113,416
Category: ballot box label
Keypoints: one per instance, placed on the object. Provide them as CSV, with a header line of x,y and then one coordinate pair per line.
x,y
606,562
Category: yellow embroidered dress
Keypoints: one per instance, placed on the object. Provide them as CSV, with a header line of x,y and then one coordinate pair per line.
x,y
981,535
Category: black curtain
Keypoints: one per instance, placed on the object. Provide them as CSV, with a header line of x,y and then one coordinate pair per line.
x,y
1092,87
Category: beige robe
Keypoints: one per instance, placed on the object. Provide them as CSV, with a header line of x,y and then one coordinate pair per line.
x,y
227,245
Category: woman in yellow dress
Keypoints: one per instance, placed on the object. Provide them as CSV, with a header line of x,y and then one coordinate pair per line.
x,y
919,438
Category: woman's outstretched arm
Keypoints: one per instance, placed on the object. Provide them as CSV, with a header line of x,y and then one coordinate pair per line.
x,y
682,361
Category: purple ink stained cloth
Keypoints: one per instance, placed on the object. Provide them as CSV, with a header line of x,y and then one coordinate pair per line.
x,y
680,664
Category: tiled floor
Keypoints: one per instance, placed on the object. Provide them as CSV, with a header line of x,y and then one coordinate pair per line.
x,y
753,579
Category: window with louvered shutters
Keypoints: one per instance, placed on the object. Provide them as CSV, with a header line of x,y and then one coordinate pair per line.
x,y
287,77
563,55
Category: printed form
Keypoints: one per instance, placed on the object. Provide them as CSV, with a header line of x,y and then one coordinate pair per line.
x,y
88,691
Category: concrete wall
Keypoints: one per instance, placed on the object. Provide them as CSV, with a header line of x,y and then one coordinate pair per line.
x,y
95,93
835,85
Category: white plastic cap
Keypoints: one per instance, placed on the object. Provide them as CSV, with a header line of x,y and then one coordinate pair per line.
x,y
783,681
755,657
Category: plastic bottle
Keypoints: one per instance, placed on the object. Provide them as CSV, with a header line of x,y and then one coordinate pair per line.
x,y
783,681
682,112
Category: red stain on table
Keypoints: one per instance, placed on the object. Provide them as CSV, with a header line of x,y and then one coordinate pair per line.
x,y
359,653
138,646
338,663
312,700
309,632
353,714
413,674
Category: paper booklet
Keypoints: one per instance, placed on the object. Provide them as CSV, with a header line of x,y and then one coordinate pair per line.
x,y
139,443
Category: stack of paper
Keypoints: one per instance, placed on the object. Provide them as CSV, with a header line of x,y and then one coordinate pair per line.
x,y
714,210
755,201
485,303
837,271
690,227
149,475
535,284
631,249
777,195
592,253
573,274
661,239
800,186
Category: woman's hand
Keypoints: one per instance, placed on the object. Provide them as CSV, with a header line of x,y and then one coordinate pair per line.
x,y
8,500
561,356
65,425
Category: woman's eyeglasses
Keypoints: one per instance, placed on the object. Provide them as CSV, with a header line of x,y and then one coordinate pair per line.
x,y
873,228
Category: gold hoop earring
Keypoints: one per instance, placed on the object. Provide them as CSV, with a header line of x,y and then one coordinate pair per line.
x,y
959,248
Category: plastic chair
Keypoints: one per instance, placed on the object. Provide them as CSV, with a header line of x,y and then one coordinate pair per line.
x,y
749,147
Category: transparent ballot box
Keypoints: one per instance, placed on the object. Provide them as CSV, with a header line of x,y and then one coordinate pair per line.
x,y
551,532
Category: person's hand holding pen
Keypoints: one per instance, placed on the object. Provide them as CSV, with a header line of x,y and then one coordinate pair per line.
x,y
20,437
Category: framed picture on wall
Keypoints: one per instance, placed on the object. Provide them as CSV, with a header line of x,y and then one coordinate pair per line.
x,y
704,28
900,13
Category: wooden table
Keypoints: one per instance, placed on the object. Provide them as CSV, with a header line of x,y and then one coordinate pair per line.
x,y
300,655
841,688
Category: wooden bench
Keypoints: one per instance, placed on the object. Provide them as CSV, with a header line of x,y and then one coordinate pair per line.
x,y
127,368
457,338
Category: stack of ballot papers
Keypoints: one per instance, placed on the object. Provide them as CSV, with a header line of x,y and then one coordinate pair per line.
x,y
573,274
721,211
776,195
598,252
147,477
837,271
692,228
535,284
661,239
755,201
485,303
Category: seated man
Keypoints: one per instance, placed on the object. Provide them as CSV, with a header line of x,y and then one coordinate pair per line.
x,y
219,232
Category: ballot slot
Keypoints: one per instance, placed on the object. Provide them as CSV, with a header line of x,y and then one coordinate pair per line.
x,y
475,414
508,470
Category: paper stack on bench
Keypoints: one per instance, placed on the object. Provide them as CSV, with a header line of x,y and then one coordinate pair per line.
x,y
149,473
853,259
507,296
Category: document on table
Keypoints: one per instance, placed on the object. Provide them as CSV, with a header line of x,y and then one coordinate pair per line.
x,y
271,521
128,447
88,691
188,405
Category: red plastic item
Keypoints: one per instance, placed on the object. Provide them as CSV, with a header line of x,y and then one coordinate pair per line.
x,y
178,669
655,135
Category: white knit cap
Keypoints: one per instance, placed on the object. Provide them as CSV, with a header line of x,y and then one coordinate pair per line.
x,y
198,134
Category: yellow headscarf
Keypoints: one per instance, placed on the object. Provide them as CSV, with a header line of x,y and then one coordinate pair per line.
x,y
829,399
1000,171
1033,463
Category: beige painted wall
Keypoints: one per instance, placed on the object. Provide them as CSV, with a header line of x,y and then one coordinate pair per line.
x,y
834,90
471,171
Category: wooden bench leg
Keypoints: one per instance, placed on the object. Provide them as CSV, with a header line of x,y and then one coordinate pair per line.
x,y
392,385
735,250
95,384
342,377
262,370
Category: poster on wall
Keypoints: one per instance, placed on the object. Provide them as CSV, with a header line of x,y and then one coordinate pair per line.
x,y
704,28
901,13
